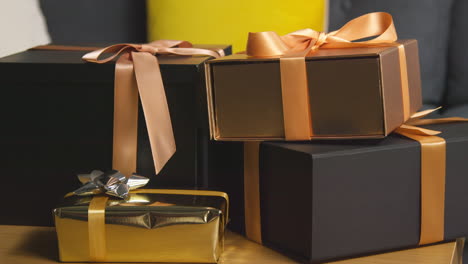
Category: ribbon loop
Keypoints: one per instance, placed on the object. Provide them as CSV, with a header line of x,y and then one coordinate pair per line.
x,y
114,50
265,44
378,24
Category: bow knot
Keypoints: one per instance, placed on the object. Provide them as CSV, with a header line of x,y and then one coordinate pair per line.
x,y
378,25
321,39
148,48
111,183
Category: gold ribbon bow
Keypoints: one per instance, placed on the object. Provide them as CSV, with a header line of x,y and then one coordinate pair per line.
x,y
433,172
137,71
294,47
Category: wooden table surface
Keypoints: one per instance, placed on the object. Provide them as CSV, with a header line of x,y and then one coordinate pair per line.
x,y
38,245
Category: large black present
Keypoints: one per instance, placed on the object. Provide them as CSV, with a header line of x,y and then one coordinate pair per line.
x,y
57,116
326,200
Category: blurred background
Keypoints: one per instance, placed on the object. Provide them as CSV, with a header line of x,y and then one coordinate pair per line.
x,y
90,22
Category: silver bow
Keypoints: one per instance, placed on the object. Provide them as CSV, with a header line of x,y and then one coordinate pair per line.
x,y
112,183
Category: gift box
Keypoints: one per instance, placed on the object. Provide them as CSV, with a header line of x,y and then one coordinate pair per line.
x,y
308,85
354,92
59,114
149,226
326,200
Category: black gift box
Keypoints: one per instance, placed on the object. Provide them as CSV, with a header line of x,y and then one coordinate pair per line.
x,y
329,200
57,121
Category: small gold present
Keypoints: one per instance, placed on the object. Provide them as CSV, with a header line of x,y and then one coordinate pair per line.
x,y
149,225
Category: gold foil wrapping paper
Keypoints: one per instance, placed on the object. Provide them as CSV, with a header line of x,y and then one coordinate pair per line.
x,y
150,226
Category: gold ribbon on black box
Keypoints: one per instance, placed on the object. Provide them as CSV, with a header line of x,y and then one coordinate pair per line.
x,y
433,168
137,72
292,50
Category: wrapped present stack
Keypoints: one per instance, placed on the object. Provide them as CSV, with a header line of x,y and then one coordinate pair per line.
x,y
326,159
338,162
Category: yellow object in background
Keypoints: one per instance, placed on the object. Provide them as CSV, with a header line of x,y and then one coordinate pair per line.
x,y
228,22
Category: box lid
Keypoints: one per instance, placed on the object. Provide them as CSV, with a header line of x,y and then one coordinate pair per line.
x,y
321,54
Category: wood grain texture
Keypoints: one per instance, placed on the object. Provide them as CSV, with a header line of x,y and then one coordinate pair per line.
x,y
451,252
38,245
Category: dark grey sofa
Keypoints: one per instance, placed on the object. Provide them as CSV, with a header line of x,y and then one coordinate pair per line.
x,y
439,26
91,22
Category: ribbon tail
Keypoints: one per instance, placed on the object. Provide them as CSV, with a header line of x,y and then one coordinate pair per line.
x,y
419,115
125,117
409,130
423,122
154,102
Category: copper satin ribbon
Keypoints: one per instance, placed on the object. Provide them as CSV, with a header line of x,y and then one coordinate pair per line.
x,y
433,161
294,47
433,168
137,71
97,224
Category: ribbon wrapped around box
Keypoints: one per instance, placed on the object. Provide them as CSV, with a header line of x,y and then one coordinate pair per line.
x,y
137,72
348,181
149,225
313,85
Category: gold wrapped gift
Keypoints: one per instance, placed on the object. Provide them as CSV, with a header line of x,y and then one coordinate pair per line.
x,y
148,226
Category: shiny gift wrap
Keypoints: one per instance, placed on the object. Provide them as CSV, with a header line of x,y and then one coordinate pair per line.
x,y
149,226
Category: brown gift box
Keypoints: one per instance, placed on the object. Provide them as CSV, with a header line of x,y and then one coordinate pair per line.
x,y
353,93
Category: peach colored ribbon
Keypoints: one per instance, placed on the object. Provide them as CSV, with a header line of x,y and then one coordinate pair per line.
x,y
433,169
137,71
294,47
433,161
